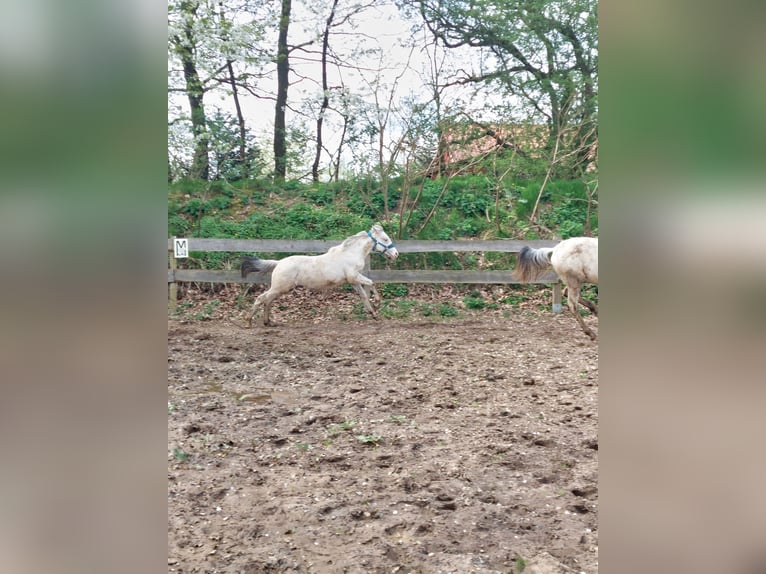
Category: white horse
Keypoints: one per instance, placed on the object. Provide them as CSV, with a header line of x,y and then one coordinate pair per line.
x,y
574,260
341,265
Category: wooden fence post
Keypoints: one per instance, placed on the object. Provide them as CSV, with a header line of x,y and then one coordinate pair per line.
x,y
557,297
366,273
172,286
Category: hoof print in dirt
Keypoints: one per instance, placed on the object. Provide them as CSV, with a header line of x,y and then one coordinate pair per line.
x,y
192,428
543,442
584,491
580,508
544,563
445,502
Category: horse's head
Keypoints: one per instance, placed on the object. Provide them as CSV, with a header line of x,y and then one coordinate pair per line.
x,y
381,243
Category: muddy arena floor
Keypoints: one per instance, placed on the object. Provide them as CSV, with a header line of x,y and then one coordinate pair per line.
x,y
338,444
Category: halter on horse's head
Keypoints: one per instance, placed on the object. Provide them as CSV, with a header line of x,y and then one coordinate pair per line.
x,y
381,243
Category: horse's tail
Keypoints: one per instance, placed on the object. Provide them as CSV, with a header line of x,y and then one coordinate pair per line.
x,y
531,262
255,265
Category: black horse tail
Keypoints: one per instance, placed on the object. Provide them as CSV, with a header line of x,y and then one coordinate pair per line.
x,y
255,265
531,262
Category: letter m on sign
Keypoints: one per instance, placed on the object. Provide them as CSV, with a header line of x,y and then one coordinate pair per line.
x,y
180,248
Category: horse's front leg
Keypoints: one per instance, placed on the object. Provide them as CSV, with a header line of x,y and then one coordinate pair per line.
x,y
360,284
375,294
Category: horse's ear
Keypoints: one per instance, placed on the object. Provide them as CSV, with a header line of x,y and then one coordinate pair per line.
x,y
377,227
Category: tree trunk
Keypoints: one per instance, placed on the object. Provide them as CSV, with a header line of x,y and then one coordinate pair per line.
x,y
336,175
383,168
325,92
185,48
587,137
243,164
283,70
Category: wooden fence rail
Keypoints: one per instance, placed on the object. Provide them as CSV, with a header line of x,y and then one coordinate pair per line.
x,y
503,277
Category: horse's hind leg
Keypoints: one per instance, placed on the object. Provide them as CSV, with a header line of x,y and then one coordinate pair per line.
x,y
268,299
584,302
573,300
254,310
263,300
590,305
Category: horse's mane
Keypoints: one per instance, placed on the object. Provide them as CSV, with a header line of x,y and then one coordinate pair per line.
x,y
348,241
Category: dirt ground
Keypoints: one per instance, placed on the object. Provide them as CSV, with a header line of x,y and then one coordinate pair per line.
x,y
424,445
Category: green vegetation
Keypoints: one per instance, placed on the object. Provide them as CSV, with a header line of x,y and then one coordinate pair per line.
x,y
180,455
394,290
468,206
336,429
460,207
369,438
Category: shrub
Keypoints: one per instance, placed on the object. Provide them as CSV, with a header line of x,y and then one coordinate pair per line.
x,y
390,290
447,310
474,302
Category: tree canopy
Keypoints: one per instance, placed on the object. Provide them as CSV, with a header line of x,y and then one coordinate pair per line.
x,y
309,90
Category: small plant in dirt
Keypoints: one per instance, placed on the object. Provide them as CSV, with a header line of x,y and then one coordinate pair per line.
x,y
427,309
397,309
447,310
171,407
180,455
474,302
359,311
207,311
304,446
373,439
335,429
398,419
515,298
182,309
520,564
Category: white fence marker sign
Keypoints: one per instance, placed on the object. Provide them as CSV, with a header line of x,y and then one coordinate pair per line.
x,y
180,248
